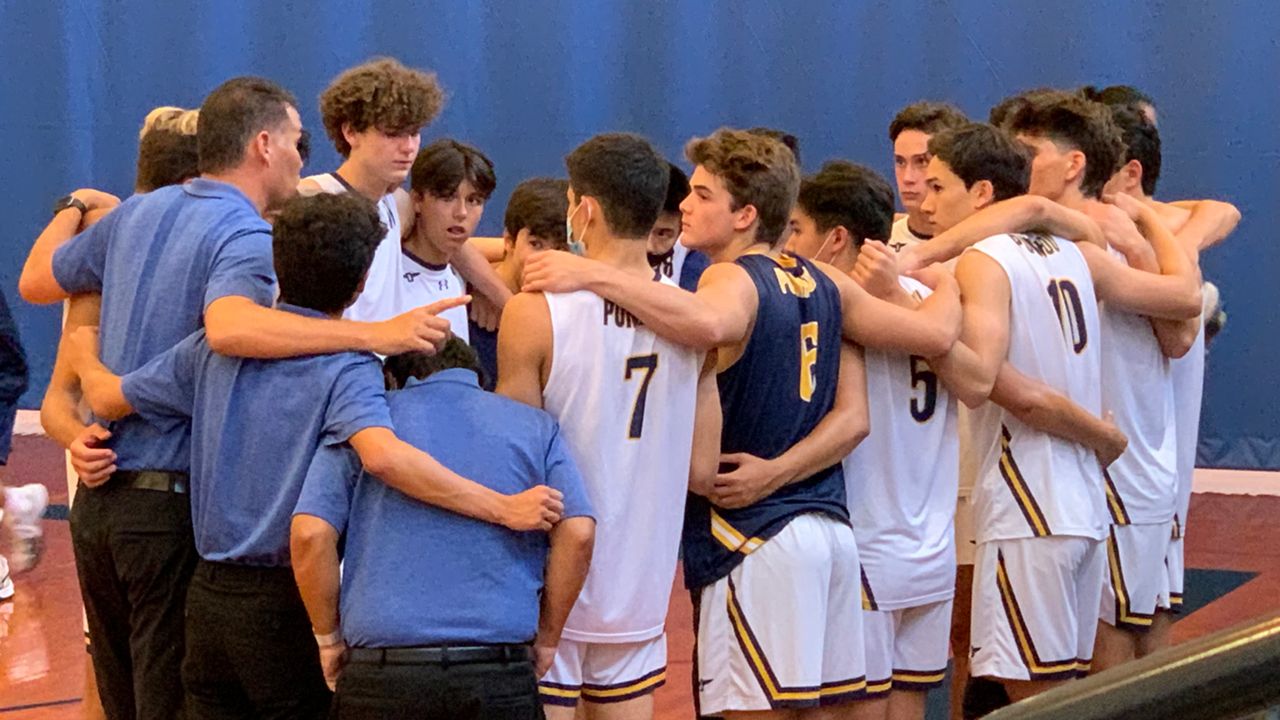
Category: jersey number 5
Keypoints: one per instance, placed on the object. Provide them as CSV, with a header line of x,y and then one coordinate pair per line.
x,y
1066,302
922,410
648,363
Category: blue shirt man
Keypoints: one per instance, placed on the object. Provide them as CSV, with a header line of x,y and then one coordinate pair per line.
x,y
416,576
160,282
255,425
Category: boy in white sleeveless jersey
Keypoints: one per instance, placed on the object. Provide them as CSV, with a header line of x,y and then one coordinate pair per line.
x,y
374,114
1124,288
1078,149
909,132
1197,225
450,182
767,547
625,400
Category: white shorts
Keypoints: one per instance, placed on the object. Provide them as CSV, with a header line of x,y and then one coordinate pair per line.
x,y
1176,572
1035,607
907,648
784,628
604,672
1137,580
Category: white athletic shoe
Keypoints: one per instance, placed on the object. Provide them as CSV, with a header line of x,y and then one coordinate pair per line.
x,y
6,582
24,507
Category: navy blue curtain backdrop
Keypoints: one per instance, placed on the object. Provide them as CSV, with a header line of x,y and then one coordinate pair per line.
x,y
527,80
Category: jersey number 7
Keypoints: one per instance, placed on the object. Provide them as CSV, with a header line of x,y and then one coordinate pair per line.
x,y
648,363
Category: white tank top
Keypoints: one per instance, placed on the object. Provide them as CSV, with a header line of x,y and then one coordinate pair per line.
x,y
625,402
423,283
383,297
1137,386
1188,391
902,481
1032,484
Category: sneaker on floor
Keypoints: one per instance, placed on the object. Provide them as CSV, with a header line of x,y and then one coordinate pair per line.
x,y
24,507
6,582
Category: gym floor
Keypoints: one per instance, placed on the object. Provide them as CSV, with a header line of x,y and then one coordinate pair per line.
x,y
1233,556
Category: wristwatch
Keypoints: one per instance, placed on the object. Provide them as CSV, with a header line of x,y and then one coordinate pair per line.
x,y
69,201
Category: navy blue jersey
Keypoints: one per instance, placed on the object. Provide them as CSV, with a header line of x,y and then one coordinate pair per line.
x,y
485,343
772,397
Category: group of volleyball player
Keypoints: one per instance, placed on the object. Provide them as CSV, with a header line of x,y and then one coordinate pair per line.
x,y
874,442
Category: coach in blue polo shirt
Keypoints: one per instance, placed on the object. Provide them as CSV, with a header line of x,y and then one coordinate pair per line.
x,y
167,263
444,615
255,425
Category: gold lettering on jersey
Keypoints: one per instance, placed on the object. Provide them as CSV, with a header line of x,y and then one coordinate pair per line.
x,y
801,285
808,359
1038,243
619,316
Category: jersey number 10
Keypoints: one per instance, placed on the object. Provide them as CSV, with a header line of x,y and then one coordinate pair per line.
x,y
1066,303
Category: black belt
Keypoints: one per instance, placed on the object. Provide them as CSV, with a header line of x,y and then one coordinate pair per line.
x,y
162,480
447,655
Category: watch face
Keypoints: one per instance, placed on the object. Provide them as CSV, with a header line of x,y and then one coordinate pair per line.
x,y
65,202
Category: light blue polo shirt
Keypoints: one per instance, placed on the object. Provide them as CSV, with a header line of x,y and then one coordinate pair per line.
x,y
255,425
415,574
159,260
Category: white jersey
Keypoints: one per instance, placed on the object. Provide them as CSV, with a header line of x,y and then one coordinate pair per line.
x,y
901,237
1137,387
625,402
902,481
383,295
1188,391
1032,484
670,263
423,283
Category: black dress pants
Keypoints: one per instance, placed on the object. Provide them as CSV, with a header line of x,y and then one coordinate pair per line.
x,y
477,691
250,650
134,556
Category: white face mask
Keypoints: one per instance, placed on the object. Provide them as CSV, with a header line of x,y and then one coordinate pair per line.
x,y
818,255
577,247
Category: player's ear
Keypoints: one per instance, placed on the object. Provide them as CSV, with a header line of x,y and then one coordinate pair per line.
x,y
1075,165
744,217
1132,173
982,193
840,239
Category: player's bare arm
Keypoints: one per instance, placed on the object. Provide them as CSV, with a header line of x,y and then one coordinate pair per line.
x,y
313,553
37,284
708,422
524,349
60,412
239,327
1024,213
1139,292
422,477
1176,335
1209,223
720,313
1044,408
927,330
568,561
102,388
986,292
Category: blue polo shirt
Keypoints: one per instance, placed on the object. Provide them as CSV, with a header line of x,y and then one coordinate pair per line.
x,y
419,575
255,425
159,260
